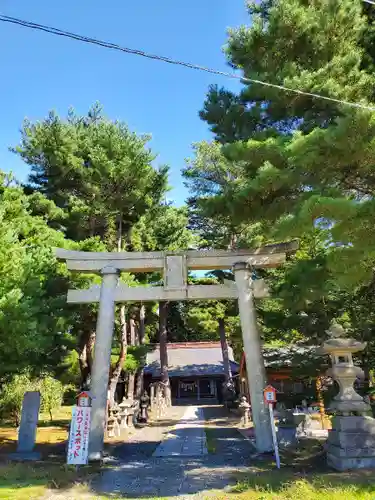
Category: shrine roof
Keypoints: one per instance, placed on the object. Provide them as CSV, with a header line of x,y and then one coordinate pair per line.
x,y
189,359
288,357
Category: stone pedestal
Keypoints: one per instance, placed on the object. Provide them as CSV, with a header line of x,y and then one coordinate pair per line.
x,y
351,443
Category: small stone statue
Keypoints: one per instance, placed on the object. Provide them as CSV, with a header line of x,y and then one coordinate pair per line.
x,y
145,400
229,393
244,408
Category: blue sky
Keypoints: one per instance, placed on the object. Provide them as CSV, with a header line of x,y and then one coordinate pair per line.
x,y
41,72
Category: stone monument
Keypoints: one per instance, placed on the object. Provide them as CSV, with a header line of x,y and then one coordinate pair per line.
x,y
351,443
28,428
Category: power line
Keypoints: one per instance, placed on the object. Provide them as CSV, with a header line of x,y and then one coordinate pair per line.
x,y
109,45
368,1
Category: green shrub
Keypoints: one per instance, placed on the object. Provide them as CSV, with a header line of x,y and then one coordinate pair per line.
x,y
52,393
11,396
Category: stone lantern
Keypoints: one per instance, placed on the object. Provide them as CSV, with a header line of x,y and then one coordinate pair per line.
x,y
344,372
351,443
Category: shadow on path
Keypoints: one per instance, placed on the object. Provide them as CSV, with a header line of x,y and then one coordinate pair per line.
x,y
143,476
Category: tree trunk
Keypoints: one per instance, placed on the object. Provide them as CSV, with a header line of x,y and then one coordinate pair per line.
x,y
163,338
224,350
142,314
131,375
366,372
85,355
233,241
131,386
119,233
141,340
320,399
116,372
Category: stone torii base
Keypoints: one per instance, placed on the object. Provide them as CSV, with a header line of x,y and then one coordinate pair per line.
x,y
174,266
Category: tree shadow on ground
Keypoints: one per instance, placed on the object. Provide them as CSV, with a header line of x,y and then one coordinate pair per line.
x,y
48,451
63,423
175,477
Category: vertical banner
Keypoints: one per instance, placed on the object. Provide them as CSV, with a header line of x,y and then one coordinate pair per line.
x,y
79,436
269,394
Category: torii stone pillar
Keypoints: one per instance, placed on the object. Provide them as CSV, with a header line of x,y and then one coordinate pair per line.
x,y
102,360
174,266
256,373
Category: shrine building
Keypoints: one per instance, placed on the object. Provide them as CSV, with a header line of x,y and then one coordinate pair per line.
x,y
196,370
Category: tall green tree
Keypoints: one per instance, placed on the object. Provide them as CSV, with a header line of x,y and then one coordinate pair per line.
x,y
207,175
98,171
301,161
285,165
100,175
34,319
163,228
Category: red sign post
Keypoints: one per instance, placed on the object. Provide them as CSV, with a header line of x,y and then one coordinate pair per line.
x,y
84,399
269,394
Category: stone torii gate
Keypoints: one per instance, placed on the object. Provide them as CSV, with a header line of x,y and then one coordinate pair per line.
x,y
174,266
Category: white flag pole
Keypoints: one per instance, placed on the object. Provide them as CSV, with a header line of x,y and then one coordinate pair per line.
x,y
274,438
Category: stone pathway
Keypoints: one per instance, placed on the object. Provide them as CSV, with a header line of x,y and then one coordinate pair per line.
x,y
142,443
165,474
187,439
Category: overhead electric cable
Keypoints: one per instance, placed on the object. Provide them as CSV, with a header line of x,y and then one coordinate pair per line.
x,y
369,1
176,62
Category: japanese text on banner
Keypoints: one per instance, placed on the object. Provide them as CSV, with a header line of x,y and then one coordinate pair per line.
x,y
79,436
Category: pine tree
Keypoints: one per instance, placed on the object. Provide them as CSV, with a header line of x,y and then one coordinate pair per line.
x,y
301,161
34,318
100,175
97,171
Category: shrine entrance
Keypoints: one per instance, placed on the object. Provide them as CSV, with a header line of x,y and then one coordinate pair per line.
x,y
196,389
174,266
188,389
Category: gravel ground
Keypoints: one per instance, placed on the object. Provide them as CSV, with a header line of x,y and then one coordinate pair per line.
x,y
142,476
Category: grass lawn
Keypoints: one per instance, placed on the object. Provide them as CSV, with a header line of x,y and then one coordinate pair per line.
x,y
23,481
303,476
288,484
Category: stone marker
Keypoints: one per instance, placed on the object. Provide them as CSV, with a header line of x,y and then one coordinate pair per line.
x,y
28,428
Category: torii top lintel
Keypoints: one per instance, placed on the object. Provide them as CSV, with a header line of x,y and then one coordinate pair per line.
x,y
91,262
